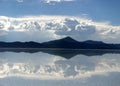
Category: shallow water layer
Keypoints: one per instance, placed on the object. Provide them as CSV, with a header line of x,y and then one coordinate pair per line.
x,y
49,68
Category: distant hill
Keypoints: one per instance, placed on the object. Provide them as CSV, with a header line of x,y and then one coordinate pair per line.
x,y
64,43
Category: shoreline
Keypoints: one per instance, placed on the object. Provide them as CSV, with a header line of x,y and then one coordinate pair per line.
x,y
57,49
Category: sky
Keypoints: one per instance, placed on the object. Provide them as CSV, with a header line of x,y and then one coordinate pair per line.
x,y
103,14
99,10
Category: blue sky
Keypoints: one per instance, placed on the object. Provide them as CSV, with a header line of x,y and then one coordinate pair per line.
x,y
44,20
98,10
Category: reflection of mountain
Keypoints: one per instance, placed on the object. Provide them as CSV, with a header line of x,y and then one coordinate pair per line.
x,y
66,47
65,43
32,66
66,53
71,53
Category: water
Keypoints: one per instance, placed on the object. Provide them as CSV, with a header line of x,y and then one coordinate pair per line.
x,y
34,67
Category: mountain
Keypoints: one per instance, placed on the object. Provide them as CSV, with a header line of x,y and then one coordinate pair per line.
x,y
94,42
64,43
69,43
19,45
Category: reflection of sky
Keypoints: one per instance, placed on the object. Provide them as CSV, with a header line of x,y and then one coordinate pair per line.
x,y
44,66
34,58
25,69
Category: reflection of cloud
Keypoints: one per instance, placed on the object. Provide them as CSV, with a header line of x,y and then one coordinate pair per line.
x,y
58,27
44,67
112,80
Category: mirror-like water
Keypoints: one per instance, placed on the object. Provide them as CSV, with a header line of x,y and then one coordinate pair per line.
x,y
55,69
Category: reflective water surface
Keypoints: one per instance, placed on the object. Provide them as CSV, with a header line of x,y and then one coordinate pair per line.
x,y
59,68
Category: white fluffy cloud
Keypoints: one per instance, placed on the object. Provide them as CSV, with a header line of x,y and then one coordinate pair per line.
x,y
44,28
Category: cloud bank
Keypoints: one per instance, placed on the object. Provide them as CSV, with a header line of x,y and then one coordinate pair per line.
x,y
45,28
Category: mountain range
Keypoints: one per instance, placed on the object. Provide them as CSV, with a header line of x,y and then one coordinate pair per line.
x,y
64,43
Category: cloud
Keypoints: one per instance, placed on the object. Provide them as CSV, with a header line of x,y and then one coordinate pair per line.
x,y
41,1
19,0
37,28
52,1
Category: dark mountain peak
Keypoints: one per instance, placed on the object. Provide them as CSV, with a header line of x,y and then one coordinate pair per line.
x,y
32,42
64,43
94,42
69,39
